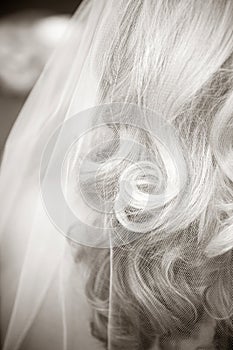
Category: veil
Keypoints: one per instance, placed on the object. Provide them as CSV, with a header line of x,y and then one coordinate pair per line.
x,y
116,186
38,249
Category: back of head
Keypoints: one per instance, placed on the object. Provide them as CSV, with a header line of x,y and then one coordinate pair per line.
x,y
175,59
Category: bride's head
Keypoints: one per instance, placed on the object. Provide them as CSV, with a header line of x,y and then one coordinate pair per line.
x,y
173,59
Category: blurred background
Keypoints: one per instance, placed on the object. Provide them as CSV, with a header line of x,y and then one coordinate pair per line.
x,y
29,31
55,6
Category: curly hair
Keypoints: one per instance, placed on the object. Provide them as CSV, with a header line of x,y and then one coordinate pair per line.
x,y
174,57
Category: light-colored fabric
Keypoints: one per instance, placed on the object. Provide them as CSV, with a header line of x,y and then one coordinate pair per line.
x,y
31,248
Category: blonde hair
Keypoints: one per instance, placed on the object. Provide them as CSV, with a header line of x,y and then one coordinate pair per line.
x,y
175,58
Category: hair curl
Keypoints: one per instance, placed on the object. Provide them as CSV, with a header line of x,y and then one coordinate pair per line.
x,y
174,57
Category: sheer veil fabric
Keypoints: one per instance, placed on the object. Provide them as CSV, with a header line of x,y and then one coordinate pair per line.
x,y
32,250
116,186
